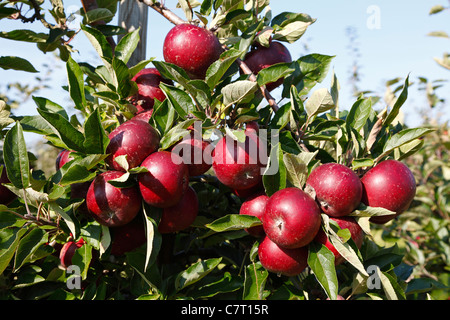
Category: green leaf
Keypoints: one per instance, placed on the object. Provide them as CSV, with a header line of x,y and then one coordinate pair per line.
x,y
71,137
16,63
238,91
359,113
274,72
233,222
195,272
98,41
127,45
275,175
67,219
218,68
98,14
309,70
96,140
10,238
320,101
436,9
76,174
28,245
255,280
76,83
82,258
175,134
297,167
50,106
321,262
16,158
403,137
291,32
24,35
397,105
179,99
154,238
122,78
281,118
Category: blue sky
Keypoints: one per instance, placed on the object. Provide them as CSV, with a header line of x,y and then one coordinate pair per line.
x,y
397,45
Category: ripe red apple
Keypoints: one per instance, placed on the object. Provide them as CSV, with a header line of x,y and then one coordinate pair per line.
x,y
255,206
143,115
282,261
166,180
357,235
68,250
128,237
292,218
6,195
262,57
109,205
148,81
180,216
196,153
62,158
390,185
239,165
133,138
337,188
192,48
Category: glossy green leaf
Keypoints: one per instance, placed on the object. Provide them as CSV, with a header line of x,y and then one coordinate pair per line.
x,y
96,139
16,158
127,45
16,63
195,272
321,262
28,245
233,222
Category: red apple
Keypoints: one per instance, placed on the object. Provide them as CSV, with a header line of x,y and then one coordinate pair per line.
x,y
109,205
67,252
196,153
390,185
128,237
133,138
292,218
263,57
6,195
166,180
337,188
143,115
62,158
192,48
255,206
180,216
239,165
357,235
282,261
148,81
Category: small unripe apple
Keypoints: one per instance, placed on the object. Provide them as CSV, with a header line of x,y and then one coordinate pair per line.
x,y
192,48
337,188
166,180
356,232
180,216
133,138
263,57
292,218
282,261
6,195
148,81
68,250
239,165
255,206
390,185
109,205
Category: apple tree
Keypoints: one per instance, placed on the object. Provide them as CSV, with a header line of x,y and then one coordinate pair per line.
x,y
191,177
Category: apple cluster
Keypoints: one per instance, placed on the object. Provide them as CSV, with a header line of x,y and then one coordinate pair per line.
x,y
291,217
